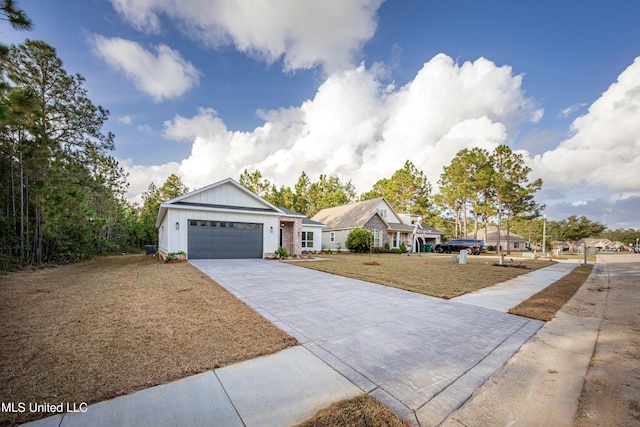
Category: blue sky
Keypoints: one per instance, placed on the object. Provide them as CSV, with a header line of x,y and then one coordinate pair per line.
x,y
206,88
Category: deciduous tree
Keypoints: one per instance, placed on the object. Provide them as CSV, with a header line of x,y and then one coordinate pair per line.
x,y
575,228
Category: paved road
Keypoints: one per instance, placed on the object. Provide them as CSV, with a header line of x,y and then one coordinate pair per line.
x,y
581,368
421,356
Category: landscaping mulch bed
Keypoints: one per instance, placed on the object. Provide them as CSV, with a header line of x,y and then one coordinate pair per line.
x,y
95,330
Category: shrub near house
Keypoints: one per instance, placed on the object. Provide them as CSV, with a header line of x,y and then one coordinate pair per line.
x,y
359,240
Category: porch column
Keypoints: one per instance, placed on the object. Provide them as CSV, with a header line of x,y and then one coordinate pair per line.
x,y
398,242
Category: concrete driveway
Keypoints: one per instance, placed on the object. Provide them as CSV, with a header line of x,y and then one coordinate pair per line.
x,y
421,356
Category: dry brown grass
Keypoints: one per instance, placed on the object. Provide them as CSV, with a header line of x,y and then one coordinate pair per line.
x,y
360,411
95,330
544,305
429,274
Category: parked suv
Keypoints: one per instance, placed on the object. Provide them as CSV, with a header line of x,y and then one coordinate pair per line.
x,y
637,249
472,246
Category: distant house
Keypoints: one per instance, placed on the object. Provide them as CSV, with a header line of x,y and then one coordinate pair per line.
x,y
377,216
226,220
516,243
602,244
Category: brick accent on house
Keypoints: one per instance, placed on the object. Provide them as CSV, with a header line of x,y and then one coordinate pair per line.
x,y
375,223
292,234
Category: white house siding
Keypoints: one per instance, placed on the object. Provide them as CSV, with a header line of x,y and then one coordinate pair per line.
x,y
227,195
176,240
317,238
163,242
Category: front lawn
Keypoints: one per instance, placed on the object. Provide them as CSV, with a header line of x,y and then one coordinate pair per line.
x,y
429,274
95,330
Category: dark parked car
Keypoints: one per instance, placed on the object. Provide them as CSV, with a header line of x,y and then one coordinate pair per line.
x,y
474,247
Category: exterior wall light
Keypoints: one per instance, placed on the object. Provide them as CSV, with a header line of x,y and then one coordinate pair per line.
x,y
271,229
177,226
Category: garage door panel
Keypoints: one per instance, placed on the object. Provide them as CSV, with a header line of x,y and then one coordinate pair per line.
x,y
217,239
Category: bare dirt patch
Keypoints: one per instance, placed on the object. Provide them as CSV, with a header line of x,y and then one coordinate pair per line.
x,y
544,305
95,330
362,410
611,391
429,274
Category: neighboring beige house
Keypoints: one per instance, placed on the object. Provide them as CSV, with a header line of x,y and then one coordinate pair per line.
x,y
377,216
516,243
602,244
226,220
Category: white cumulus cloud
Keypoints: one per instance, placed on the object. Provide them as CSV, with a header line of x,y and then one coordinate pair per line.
x,y
164,74
604,148
303,33
362,129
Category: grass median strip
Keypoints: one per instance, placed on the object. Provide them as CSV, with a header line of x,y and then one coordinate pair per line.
x,y
95,330
544,305
429,274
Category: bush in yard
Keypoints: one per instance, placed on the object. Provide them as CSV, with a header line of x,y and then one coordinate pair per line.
x,y
281,253
403,248
359,240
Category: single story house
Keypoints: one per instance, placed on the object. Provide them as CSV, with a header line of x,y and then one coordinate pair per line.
x,y
602,244
516,243
226,220
377,216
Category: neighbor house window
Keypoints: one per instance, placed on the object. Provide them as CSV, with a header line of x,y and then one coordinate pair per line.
x,y
332,237
516,245
307,239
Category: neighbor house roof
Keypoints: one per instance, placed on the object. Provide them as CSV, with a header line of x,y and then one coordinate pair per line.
x,y
348,216
492,235
358,214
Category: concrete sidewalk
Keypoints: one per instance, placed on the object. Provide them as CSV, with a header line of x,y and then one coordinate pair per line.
x,y
506,295
542,383
421,356
281,389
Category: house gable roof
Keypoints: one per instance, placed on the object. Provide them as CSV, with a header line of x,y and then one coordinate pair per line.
x,y
351,215
305,220
227,195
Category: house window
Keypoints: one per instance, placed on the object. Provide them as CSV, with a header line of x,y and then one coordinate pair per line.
x,y
516,245
307,239
332,237
383,213
376,238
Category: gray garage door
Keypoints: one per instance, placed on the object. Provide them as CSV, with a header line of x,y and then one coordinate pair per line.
x,y
224,239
